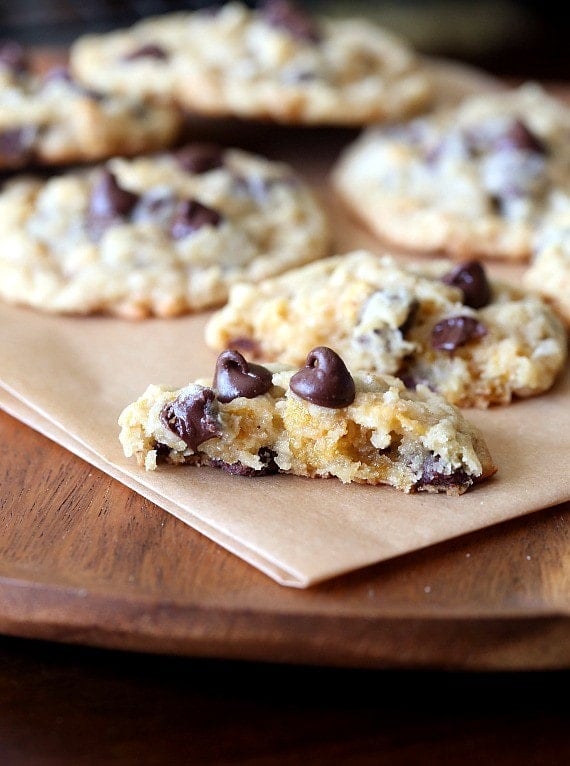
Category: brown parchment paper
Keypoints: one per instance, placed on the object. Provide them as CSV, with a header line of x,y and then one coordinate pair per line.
x,y
70,377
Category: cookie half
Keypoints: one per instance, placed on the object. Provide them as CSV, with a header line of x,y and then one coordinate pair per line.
x,y
318,421
52,120
274,62
476,341
154,236
474,180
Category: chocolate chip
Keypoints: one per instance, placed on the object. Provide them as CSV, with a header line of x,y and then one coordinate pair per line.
x,y
199,158
324,380
109,201
471,279
192,417
148,51
520,137
433,477
453,332
16,145
267,457
190,216
515,135
287,15
235,377
13,56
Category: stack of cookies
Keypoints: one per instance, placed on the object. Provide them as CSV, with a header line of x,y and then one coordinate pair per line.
x,y
356,364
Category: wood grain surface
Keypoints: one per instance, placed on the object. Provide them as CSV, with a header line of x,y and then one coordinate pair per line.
x,y
85,560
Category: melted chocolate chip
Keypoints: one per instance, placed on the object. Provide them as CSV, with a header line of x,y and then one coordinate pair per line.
x,y
432,477
324,380
192,417
13,56
200,158
190,216
235,377
16,145
267,457
471,279
156,206
148,51
287,15
453,332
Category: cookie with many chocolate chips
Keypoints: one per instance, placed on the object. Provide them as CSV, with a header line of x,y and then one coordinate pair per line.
x,y
156,235
319,421
276,61
53,120
475,180
475,340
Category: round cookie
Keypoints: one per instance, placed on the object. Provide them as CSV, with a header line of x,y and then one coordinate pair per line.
x,y
474,180
53,120
475,341
319,421
275,62
159,235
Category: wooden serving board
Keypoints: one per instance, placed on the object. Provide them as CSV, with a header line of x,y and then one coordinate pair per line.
x,y
85,560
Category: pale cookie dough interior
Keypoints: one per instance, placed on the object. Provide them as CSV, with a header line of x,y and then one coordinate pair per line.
x,y
383,316
382,433
474,180
148,237
277,63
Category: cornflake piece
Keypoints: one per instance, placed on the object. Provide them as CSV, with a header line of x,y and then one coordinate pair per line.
x,y
319,421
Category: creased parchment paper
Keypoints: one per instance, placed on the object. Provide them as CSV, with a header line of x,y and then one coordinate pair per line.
x,y
70,377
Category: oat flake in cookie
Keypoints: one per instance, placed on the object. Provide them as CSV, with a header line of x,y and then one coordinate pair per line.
x,y
53,120
471,181
273,62
319,420
476,341
154,236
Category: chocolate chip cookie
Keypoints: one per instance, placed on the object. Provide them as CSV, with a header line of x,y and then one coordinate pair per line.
x,y
474,180
474,340
53,120
158,235
320,420
275,62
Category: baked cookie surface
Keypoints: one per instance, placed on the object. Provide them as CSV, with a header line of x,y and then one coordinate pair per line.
x,y
474,180
549,270
317,421
159,235
476,341
52,120
275,62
